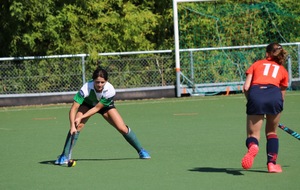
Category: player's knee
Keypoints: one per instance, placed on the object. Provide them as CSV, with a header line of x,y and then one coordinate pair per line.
x,y
122,129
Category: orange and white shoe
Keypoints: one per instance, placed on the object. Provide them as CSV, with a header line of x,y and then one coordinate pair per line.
x,y
274,168
248,159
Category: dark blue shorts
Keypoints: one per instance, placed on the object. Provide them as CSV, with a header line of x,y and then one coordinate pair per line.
x,y
103,110
264,99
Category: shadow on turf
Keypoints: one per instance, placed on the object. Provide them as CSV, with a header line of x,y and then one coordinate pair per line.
x,y
51,162
231,171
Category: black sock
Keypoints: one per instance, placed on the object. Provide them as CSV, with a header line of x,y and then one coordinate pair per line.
x,y
272,148
250,141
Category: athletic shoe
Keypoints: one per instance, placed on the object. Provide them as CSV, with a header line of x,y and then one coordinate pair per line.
x,y
248,159
144,154
274,168
61,160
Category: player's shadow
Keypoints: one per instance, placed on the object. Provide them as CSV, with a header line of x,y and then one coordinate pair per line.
x,y
51,162
231,171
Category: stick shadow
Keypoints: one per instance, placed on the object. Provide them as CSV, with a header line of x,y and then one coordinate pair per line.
x,y
51,162
231,171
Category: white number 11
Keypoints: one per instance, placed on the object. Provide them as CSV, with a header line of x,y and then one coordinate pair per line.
x,y
267,69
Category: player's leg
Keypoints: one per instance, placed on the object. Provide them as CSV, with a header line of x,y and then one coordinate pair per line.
x,y
272,143
72,138
275,108
254,123
113,117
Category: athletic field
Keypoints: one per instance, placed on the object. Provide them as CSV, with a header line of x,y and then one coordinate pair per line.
x,y
195,143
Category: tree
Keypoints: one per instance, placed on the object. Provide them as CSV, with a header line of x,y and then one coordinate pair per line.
x,y
92,26
53,27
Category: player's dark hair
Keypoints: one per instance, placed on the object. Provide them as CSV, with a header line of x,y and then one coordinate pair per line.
x,y
99,72
277,53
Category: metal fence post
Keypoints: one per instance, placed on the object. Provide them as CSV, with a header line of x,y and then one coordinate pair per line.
x,y
298,60
290,71
83,69
192,68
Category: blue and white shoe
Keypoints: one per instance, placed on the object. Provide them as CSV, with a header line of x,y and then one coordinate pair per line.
x,y
144,154
61,160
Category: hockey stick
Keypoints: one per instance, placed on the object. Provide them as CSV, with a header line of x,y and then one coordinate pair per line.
x,y
71,146
289,131
71,162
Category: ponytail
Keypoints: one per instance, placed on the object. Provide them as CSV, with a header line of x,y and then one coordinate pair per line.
x,y
277,53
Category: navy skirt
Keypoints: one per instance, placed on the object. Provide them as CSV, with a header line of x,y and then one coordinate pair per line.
x,y
264,99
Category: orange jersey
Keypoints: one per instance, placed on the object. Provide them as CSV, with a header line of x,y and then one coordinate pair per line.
x,y
268,72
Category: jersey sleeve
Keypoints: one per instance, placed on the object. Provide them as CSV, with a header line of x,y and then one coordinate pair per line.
x,y
81,94
250,69
285,78
78,98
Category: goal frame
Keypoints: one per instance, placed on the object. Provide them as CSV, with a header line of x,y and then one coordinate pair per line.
x,y
176,40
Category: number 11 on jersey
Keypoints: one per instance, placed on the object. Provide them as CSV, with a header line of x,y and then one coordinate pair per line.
x,y
267,69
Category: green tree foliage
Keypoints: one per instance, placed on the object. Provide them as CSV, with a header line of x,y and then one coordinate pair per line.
x,y
71,27
48,27
228,23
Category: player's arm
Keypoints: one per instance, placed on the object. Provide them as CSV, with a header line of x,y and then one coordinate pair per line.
x,y
89,113
72,115
283,90
284,83
247,85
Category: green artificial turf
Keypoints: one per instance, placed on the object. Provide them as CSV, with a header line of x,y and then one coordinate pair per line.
x,y
194,142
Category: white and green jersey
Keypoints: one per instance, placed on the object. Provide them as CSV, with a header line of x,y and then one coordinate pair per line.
x,y
88,94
